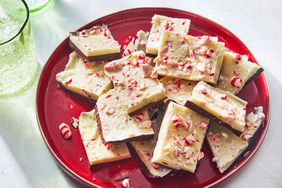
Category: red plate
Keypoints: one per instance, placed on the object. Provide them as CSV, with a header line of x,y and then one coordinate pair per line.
x,y
55,105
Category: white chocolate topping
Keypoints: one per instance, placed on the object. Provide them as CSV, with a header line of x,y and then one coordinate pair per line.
x,y
180,138
163,23
137,43
178,90
190,58
145,150
236,71
225,145
135,76
116,124
95,41
253,122
98,152
221,104
84,78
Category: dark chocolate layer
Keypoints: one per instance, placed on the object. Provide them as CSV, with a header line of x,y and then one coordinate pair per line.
x,y
142,165
151,55
260,70
146,106
209,115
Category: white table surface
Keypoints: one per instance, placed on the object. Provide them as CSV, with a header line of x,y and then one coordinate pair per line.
x,y
25,160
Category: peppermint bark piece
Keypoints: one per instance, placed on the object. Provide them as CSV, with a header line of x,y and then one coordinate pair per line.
x,y
144,150
95,44
136,78
178,90
114,122
180,138
190,58
163,23
84,78
237,72
98,152
221,106
225,145
137,43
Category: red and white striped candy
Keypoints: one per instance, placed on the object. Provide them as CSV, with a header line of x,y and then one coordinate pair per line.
x,y
155,166
190,139
246,136
204,125
176,121
236,81
109,146
65,131
125,183
139,117
215,137
201,155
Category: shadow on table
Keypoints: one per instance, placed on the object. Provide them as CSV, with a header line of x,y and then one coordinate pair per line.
x,y
21,134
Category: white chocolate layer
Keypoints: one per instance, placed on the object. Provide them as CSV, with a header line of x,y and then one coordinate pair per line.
x,y
137,43
253,122
225,145
178,90
95,41
116,124
98,152
163,23
236,71
180,138
84,78
221,104
134,75
190,58
145,150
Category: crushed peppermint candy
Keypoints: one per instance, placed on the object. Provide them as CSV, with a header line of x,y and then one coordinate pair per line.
x,y
190,139
201,155
215,137
68,82
65,131
125,183
247,136
176,120
110,111
225,135
223,97
147,70
236,82
139,117
147,124
113,66
181,150
74,122
109,146
203,125
155,166
154,74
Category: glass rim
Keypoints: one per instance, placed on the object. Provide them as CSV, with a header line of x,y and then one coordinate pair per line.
x,y
23,25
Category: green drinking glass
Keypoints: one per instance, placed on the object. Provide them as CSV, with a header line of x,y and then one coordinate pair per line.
x,y
18,60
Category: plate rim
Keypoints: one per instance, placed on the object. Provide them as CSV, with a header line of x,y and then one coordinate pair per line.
x,y
78,178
